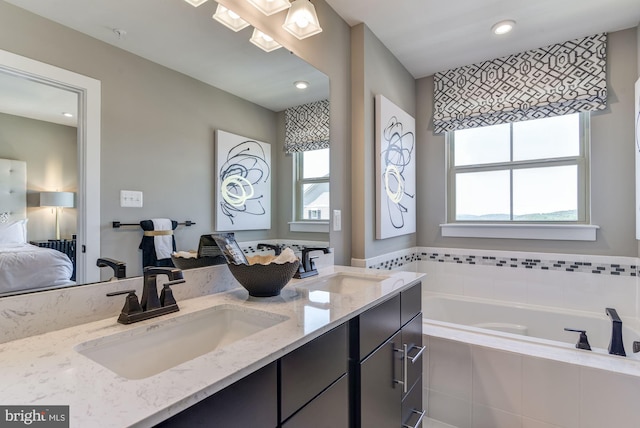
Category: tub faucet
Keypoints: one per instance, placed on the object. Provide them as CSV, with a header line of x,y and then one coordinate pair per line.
x,y
307,265
616,347
276,248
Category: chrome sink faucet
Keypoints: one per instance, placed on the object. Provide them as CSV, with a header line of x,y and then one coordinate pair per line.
x,y
151,305
616,346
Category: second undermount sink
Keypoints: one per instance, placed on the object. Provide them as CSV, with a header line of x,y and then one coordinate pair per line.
x,y
151,349
344,283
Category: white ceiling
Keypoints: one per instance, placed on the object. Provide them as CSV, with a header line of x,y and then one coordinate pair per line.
x,y
428,36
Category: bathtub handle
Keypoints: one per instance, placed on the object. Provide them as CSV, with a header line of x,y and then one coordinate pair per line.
x,y
415,358
419,421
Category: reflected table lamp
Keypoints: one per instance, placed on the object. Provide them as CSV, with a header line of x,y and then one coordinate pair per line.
x,y
57,200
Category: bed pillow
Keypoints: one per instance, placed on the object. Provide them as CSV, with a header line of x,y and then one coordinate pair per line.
x,y
14,232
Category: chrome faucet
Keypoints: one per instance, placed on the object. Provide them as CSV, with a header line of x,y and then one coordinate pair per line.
x,y
307,265
151,305
616,347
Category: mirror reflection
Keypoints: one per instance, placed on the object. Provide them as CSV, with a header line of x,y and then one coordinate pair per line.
x,y
157,131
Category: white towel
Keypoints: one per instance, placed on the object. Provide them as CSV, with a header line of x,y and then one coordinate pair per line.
x,y
163,243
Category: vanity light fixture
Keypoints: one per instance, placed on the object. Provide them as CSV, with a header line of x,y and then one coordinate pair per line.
x,y
195,3
269,7
229,18
302,20
301,84
503,27
264,41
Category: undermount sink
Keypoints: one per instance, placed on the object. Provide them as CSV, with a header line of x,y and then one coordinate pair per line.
x,y
344,283
151,349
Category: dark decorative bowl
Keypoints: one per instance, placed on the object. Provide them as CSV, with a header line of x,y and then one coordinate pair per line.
x,y
192,263
264,280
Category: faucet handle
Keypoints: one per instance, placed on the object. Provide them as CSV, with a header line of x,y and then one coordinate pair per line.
x,y
131,304
166,295
583,342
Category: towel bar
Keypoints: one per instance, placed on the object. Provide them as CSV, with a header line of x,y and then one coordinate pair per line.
x,y
117,224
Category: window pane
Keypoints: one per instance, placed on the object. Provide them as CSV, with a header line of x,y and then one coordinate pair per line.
x,y
483,196
315,164
546,138
546,194
489,144
315,201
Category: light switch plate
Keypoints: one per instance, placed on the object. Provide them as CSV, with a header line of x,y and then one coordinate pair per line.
x,y
337,220
131,198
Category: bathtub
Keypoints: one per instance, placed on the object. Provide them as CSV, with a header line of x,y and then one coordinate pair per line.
x,y
529,330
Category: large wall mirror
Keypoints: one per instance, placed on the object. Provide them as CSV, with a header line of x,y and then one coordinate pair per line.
x,y
250,83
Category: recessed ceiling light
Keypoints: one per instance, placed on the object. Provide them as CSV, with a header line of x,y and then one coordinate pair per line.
x,y
66,114
503,27
301,84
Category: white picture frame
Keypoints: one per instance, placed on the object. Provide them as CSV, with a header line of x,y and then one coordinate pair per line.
x,y
242,183
395,141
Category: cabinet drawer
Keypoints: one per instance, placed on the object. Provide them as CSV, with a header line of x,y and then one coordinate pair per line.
x,y
329,410
412,410
377,325
412,337
308,370
410,303
250,402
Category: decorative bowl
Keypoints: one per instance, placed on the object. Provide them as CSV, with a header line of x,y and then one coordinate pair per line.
x,y
264,280
192,263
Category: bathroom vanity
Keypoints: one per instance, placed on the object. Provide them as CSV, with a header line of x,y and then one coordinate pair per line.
x,y
339,350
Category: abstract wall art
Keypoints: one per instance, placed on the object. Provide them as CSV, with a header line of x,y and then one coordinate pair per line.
x,y
242,183
395,170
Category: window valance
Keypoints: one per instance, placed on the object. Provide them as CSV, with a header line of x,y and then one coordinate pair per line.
x,y
307,127
564,78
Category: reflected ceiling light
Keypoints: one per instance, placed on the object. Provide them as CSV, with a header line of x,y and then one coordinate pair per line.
x,y
229,18
195,3
67,114
503,27
264,41
269,7
301,84
302,20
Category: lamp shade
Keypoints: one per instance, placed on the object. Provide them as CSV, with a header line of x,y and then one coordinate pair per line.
x,y
56,199
264,41
229,18
269,7
301,20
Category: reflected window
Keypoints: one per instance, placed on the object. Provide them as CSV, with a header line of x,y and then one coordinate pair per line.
x,y
312,185
530,171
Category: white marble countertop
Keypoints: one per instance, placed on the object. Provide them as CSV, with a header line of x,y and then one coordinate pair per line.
x,y
47,370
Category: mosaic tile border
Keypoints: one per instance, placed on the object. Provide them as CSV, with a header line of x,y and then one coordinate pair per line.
x,y
566,265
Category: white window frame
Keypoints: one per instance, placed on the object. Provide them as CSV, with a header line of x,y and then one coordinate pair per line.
x,y
300,224
548,230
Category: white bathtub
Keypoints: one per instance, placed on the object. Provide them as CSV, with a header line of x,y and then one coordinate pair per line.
x,y
529,330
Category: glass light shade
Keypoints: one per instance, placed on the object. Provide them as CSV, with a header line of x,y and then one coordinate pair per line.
x,y
264,41
302,20
195,3
56,199
229,18
269,7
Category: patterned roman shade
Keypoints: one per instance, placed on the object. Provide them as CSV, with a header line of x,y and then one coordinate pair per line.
x,y
565,78
307,127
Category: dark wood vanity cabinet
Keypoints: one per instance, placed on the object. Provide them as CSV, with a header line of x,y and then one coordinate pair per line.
x,y
365,373
386,363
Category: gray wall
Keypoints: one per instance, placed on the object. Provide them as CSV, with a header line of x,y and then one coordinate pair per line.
x,y
612,168
50,151
374,70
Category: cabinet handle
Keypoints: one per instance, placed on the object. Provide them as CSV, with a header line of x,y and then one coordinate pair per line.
x,y
413,359
422,413
402,382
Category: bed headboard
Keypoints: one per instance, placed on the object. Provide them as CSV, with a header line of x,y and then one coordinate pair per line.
x,y
13,190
